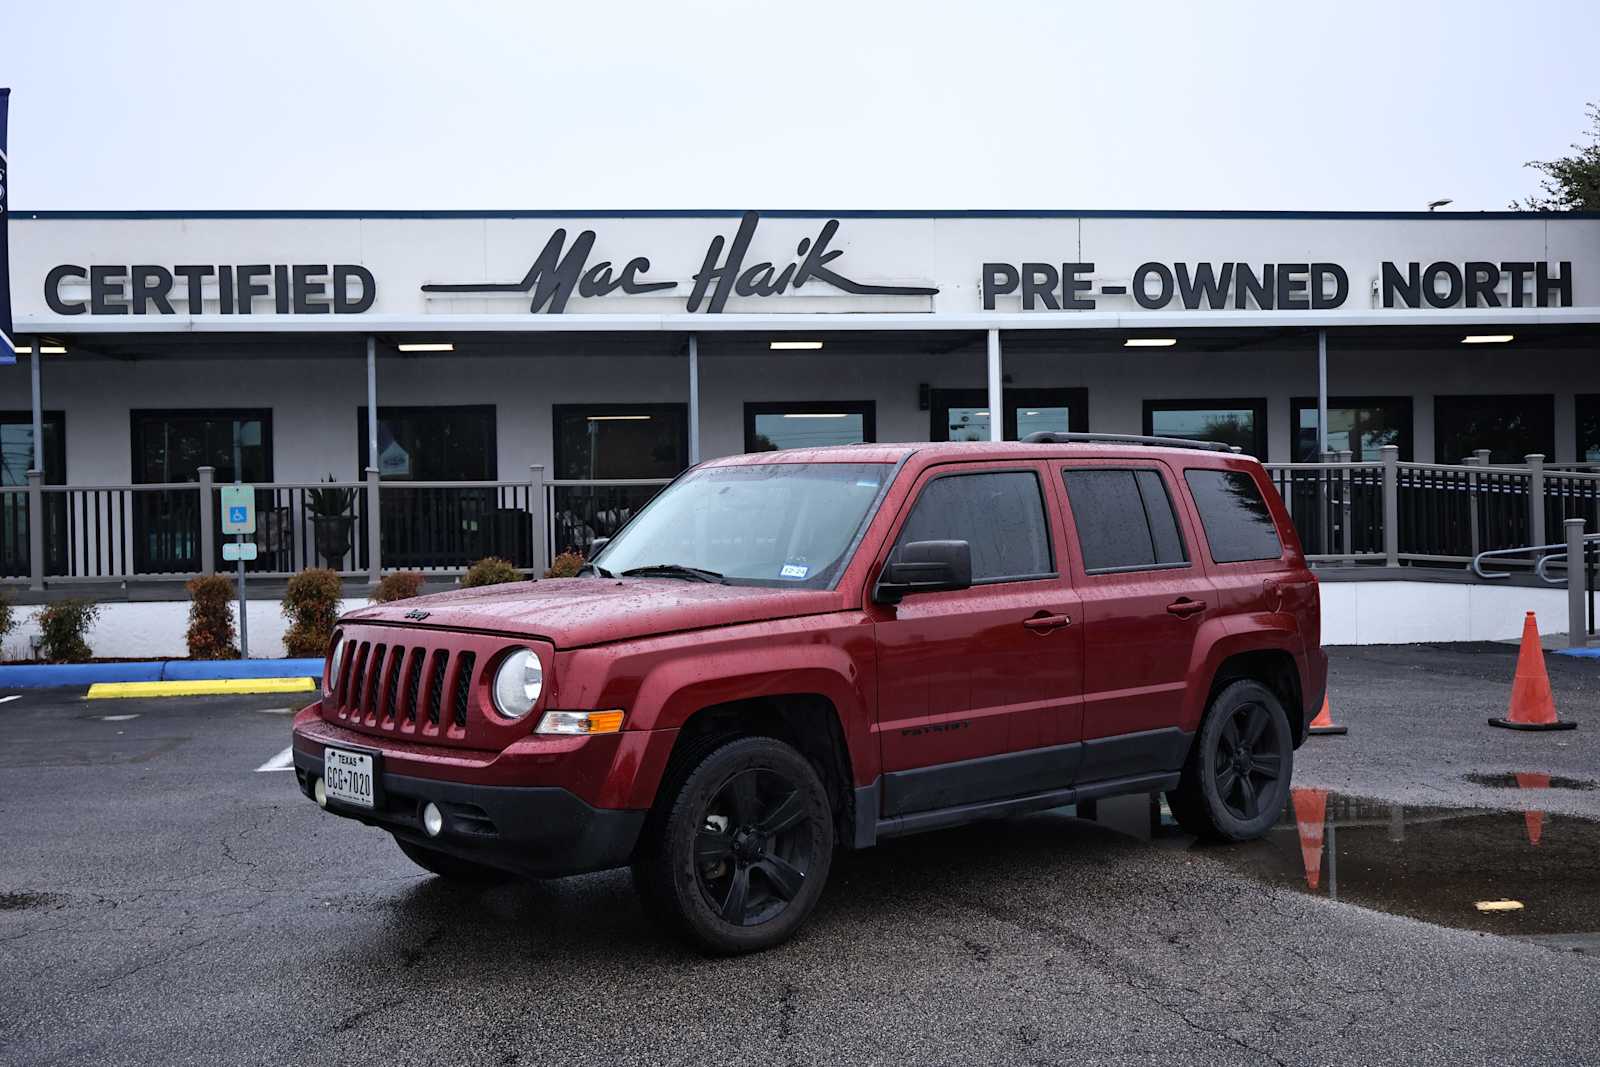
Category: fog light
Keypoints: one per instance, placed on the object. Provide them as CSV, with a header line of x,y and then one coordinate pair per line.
x,y
432,819
319,791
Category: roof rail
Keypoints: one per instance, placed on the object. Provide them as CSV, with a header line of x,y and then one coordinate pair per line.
x,y
1045,437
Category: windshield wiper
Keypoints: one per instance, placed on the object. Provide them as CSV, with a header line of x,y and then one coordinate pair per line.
x,y
674,570
590,568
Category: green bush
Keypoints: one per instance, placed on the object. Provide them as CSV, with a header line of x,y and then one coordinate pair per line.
x,y
311,604
211,631
566,565
491,570
401,585
63,625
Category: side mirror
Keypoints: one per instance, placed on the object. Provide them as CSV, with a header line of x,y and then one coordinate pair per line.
x,y
925,567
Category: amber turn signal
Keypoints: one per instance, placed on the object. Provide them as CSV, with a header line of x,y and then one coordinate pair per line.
x,y
580,722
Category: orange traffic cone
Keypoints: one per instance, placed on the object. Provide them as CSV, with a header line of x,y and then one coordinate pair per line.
x,y
1310,812
1323,723
1534,819
1532,706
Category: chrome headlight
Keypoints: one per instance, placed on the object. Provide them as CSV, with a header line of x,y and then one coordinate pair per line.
x,y
518,683
335,656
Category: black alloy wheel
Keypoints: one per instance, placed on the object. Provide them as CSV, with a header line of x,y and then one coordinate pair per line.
x,y
1248,760
738,847
753,853
1236,780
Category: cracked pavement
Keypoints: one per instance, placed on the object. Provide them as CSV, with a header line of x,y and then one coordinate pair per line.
x,y
160,902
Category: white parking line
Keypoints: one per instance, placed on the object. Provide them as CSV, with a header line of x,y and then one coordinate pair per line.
x,y
9,699
283,761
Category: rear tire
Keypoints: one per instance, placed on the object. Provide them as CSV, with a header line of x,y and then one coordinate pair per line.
x,y
1236,779
451,868
735,857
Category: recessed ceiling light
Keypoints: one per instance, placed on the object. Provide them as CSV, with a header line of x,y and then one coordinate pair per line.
x,y
1150,342
427,346
1487,338
53,350
816,415
793,346
24,350
619,418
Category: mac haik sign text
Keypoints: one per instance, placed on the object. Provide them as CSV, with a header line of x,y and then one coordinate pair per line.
x,y
1280,286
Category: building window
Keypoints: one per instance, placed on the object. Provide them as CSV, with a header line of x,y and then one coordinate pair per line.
x,y
999,514
1510,427
432,444
771,427
1124,520
963,414
16,459
1362,424
612,441
1588,428
1241,423
16,447
621,440
172,446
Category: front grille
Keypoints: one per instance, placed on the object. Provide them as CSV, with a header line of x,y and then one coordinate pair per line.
x,y
412,690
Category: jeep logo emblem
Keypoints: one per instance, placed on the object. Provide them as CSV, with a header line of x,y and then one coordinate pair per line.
x,y
417,613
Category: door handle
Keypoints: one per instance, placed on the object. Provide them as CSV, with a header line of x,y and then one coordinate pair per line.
x,y
1040,624
1183,608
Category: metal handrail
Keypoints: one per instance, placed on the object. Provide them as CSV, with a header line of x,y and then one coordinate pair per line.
x,y
1561,557
1551,552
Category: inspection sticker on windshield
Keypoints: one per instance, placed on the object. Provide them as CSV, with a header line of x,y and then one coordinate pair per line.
x,y
794,570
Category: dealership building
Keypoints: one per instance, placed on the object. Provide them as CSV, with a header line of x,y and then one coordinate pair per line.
x,y
586,356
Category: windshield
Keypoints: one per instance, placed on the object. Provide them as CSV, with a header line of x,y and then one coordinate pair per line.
x,y
780,524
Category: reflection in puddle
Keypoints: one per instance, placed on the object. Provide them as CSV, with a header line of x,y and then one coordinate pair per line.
x,y
1528,780
1434,864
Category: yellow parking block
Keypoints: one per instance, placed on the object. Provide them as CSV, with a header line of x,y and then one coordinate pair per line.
x,y
206,688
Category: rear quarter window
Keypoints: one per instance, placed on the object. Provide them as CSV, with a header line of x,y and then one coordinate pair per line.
x,y
1236,518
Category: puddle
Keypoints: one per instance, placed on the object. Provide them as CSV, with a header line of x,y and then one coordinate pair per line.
x,y
1528,780
1440,865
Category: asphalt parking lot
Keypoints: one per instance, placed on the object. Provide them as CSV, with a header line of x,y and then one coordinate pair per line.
x,y
164,901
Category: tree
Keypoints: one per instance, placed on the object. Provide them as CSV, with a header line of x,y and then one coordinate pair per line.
x,y
1571,183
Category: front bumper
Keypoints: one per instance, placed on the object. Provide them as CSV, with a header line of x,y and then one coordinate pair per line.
x,y
539,831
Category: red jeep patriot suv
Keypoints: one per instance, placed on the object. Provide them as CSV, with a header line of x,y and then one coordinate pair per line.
x,y
786,653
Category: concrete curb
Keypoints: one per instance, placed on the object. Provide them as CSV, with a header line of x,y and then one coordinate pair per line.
x,y
201,688
47,675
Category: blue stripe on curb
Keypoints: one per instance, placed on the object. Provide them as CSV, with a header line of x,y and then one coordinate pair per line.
x,y
46,675
1581,653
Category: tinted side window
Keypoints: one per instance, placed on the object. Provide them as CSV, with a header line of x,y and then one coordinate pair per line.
x,y
1124,519
1238,524
1000,515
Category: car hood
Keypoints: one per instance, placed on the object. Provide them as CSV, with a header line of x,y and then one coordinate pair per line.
x,y
572,612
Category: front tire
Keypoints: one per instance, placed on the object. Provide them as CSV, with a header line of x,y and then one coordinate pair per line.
x,y
1236,779
450,868
735,858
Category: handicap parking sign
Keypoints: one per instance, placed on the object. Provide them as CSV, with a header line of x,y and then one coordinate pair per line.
x,y
238,509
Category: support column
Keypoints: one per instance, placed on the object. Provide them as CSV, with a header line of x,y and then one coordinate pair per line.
x,y
372,402
1577,614
38,407
997,420
536,516
208,520
1536,530
694,399
36,529
1322,391
1391,504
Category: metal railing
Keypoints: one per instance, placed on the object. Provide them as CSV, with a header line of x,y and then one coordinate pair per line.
x,y
173,531
1580,581
1420,514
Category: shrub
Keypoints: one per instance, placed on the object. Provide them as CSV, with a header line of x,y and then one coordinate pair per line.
x,y
311,604
565,565
63,626
401,585
211,631
7,618
492,570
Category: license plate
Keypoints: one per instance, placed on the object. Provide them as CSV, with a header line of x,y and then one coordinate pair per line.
x,y
348,777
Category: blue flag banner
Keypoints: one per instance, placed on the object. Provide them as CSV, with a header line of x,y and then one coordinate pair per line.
x,y
8,337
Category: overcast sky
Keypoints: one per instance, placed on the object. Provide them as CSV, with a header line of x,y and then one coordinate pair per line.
x,y
861,104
